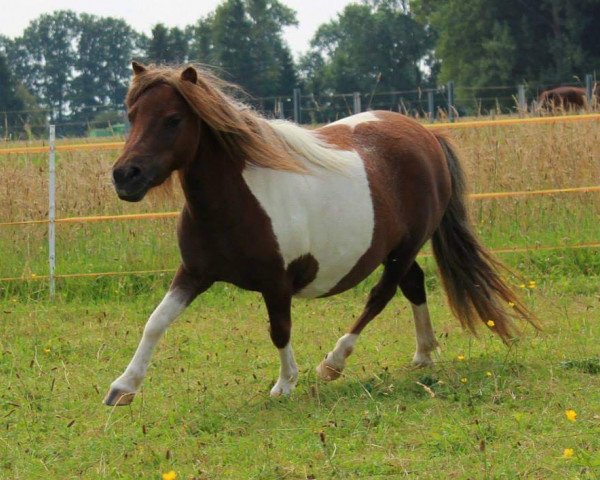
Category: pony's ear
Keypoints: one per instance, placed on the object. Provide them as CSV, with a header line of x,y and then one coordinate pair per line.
x,y
190,75
138,67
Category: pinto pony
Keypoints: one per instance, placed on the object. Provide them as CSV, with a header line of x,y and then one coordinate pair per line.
x,y
284,211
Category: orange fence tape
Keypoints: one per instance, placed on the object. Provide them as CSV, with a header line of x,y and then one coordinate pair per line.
x,y
34,277
150,216
459,124
516,121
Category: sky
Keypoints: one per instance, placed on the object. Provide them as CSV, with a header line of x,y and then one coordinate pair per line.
x,y
143,14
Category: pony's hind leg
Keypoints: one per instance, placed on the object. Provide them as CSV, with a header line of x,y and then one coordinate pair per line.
x,y
412,285
333,364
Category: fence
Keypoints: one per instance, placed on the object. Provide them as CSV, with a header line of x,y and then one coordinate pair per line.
x,y
51,221
448,101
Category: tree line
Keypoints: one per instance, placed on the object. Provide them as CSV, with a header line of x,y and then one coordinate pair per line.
x,y
74,68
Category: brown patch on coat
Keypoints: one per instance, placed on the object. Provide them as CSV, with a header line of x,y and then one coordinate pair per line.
x,y
302,271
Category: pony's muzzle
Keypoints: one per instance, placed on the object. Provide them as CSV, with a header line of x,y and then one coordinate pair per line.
x,y
129,182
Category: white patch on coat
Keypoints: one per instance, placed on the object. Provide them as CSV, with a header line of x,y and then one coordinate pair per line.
x,y
327,212
335,361
288,373
354,120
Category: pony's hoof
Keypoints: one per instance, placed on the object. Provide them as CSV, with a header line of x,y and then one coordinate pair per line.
x,y
328,372
118,398
422,360
283,388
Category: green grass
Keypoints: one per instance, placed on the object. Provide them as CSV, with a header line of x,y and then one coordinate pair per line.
x,y
204,409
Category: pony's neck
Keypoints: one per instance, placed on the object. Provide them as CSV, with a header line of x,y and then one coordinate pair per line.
x,y
213,182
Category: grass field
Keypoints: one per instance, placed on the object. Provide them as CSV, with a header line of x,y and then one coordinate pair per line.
x,y
483,411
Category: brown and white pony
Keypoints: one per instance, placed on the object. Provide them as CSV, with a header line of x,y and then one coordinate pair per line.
x,y
284,211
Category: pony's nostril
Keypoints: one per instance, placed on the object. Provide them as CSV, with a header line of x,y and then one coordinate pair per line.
x,y
125,174
133,172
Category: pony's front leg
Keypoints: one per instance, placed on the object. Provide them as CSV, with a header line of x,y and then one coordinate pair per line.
x,y
183,290
279,308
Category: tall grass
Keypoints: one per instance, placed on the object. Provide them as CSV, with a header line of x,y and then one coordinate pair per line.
x,y
520,157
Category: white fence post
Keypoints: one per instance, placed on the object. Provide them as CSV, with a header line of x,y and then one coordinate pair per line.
x,y
52,212
521,100
356,107
589,93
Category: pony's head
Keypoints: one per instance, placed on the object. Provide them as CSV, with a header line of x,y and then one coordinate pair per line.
x,y
172,111
162,128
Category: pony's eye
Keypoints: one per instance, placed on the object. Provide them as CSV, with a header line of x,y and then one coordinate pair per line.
x,y
173,121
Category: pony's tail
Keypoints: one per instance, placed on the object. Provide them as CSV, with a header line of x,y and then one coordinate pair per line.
x,y
470,273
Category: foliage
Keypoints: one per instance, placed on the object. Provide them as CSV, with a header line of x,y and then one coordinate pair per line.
x,y
9,100
374,44
243,38
168,46
483,42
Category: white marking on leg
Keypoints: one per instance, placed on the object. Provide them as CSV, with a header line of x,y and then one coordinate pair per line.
x,y
426,341
166,312
327,213
288,372
335,361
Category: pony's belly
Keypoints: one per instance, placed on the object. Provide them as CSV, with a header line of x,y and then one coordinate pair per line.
x,y
325,214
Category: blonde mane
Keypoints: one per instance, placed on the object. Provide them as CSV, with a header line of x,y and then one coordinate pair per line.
x,y
243,133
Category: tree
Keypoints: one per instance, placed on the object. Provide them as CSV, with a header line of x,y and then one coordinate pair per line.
x,y
481,42
167,45
377,43
45,56
243,38
105,46
10,103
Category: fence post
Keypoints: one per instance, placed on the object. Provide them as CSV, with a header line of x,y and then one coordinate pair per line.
x,y
356,107
52,212
430,106
450,101
297,116
588,89
279,109
521,100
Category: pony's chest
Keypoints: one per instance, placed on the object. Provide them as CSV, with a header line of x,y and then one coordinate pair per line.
x,y
327,214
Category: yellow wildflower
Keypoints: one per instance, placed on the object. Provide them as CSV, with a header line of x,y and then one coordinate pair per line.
x,y
568,453
491,323
511,304
460,357
571,415
463,380
172,475
488,374
522,285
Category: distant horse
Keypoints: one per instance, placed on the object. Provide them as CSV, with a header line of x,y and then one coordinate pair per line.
x,y
565,97
284,211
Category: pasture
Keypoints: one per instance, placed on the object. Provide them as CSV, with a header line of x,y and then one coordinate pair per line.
x,y
483,411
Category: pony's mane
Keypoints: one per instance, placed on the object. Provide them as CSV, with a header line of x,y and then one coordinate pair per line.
x,y
243,133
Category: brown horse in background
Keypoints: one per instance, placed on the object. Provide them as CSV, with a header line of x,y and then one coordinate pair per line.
x,y
284,211
566,98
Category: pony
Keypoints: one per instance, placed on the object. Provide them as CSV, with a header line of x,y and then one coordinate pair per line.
x,y
289,212
566,97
